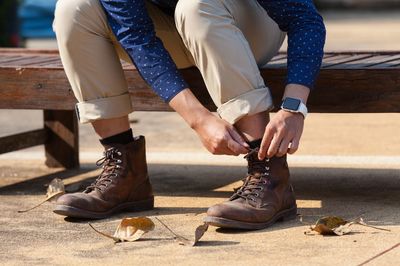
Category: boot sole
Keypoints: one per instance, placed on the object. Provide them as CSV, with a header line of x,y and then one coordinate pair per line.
x,y
73,212
288,214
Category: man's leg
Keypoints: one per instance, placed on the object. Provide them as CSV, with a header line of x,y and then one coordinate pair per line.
x,y
91,57
229,41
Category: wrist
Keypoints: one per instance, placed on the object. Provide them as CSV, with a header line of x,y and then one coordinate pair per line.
x,y
293,105
296,91
198,118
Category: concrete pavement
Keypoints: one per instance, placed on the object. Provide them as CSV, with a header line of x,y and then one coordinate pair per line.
x,y
184,192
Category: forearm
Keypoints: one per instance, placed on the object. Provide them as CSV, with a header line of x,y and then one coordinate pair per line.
x,y
189,108
134,30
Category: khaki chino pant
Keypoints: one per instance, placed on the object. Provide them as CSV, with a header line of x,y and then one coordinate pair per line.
x,y
228,40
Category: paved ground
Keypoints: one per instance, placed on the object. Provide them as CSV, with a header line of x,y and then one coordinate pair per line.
x,y
348,165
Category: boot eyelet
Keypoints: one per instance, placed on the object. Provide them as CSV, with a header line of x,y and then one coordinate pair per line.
x,y
257,195
264,182
266,168
119,161
119,153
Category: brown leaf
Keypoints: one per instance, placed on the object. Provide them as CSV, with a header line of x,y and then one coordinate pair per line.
x,y
327,226
54,190
332,225
198,234
130,229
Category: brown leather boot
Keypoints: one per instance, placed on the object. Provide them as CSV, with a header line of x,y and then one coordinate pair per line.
x,y
123,185
265,197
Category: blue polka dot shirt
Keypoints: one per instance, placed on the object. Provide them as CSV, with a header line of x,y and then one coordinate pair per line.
x,y
134,29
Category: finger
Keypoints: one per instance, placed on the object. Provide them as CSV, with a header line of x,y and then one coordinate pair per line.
x,y
275,143
221,151
265,143
284,147
294,145
221,147
238,138
235,147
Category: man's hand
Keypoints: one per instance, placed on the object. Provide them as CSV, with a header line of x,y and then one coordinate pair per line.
x,y
219,137
282,135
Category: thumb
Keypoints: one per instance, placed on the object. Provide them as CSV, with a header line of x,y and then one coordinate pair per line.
x,y
238,138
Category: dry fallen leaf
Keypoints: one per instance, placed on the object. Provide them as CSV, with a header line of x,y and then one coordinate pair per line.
x,y
200,230
54,190
333,225
326,225
130,229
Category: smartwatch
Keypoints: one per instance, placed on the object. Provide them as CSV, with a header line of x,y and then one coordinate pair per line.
x,y
294,106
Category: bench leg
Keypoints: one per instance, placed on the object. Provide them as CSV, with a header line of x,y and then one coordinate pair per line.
x,y
62,143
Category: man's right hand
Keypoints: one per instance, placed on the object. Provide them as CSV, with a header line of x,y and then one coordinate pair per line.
x,y
220,137
217,135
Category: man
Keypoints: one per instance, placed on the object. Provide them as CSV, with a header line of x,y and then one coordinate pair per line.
x,y
227,40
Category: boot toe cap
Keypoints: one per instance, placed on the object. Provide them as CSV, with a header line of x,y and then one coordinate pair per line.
x,y
76,200
233,211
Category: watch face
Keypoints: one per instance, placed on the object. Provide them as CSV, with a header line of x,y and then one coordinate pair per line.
x,y
291,104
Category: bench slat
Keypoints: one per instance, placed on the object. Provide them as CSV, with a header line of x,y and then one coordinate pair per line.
x,y
281,63
339,88
384,62
363,63
337,63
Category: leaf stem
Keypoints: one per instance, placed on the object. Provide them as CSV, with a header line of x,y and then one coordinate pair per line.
x,y
172,232
104,234
41,203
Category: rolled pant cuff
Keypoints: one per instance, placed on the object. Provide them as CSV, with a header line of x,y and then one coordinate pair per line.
x,y
249,103
104,108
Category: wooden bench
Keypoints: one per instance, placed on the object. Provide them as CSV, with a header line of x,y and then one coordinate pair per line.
x,y
349,82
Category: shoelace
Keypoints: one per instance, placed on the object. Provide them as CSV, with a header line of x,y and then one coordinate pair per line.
x,y
257,178
109,163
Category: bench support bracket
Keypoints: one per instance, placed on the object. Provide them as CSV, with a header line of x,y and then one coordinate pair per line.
x,y
62,145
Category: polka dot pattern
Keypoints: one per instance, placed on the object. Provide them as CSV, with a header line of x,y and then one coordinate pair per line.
x,y
306,37
134,29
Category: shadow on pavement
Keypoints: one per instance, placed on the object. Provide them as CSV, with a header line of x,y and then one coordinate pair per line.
x,y
347,192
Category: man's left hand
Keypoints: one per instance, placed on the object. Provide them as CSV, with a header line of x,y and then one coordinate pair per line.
x,y
282,135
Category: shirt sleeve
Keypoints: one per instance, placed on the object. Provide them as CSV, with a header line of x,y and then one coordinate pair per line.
x,y
134,30
306,37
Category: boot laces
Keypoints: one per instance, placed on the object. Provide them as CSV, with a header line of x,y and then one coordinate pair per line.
x,y
111,165
257,177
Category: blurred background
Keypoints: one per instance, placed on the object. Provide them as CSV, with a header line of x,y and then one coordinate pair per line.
x,y
28,22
